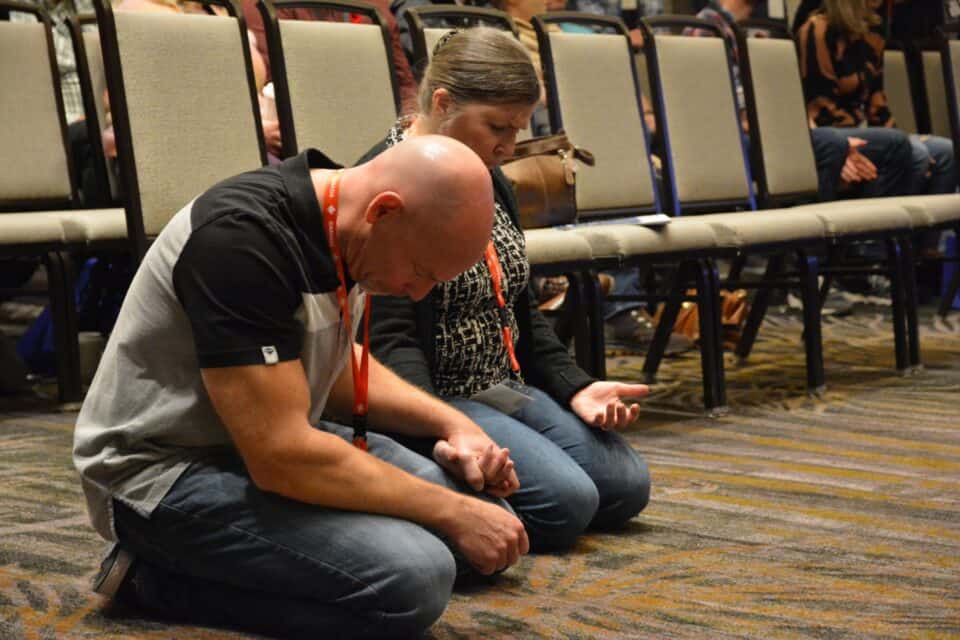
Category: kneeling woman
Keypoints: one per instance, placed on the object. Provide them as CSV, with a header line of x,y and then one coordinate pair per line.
x,y
521,386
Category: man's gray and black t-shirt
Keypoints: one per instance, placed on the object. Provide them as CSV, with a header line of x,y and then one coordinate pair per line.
x,y
240,276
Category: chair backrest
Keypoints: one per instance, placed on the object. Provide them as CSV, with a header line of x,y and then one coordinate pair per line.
x,y
33,153
594,96
184,108
896,84
784,164
706,167
93,85
429,23
936,92
425,37
334,81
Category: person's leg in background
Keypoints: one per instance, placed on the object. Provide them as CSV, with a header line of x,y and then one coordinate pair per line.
x,y
830,151
891,153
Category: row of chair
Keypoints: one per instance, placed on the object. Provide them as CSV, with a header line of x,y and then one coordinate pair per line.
x,y
187,124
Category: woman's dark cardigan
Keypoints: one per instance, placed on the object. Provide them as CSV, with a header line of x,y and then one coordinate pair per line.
x,y
402,331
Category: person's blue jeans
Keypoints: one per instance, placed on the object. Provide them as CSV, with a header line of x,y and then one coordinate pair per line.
x,y
932,172
218,550
626,282
932,165
888,149
572,476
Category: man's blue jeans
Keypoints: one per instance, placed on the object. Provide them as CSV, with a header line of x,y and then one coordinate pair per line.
x,y
218,550
571,475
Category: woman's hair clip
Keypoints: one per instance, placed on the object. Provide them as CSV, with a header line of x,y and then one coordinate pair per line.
x,y
444,39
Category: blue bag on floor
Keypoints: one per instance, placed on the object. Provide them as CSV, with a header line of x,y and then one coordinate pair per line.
x,y
101,286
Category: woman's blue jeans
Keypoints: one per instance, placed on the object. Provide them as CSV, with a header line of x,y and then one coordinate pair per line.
x,y
572,476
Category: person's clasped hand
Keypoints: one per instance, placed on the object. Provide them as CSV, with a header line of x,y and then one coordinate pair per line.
x,y
474,457
857,167
601,404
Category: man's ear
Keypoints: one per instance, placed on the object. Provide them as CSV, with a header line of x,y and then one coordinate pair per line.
x,y
383,204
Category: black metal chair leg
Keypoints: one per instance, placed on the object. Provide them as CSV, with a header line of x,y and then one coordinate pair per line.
x,y
593,297
661,335
574,306
908,258
711,342
566,317
758,309
834,257
66,337
895,266
736,267
812,334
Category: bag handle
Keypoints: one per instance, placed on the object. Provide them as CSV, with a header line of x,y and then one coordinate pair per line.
x,y
546,145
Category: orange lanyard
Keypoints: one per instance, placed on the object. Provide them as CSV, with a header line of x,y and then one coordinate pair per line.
x,y
496,276
361,369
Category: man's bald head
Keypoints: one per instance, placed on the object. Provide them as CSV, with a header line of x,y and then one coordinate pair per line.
x,y
429,200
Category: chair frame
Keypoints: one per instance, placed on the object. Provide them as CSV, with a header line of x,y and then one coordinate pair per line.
x,y
113,68
268,9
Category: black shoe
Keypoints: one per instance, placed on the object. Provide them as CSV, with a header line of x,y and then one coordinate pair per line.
x,y
633,331
114,574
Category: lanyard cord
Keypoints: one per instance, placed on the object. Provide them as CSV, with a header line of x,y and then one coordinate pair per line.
x,y
496,276
361,369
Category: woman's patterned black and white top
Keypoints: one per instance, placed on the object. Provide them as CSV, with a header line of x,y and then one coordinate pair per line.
x,y
468,340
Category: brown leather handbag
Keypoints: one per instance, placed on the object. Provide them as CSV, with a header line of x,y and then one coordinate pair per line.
x,y
543,174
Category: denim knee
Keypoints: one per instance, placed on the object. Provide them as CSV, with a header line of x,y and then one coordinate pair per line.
x,y
563,515
625,495
416,593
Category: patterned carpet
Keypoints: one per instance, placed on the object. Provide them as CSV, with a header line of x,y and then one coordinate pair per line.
x,y
790,517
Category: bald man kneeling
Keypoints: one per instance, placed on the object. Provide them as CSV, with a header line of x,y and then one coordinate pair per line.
x,y
222,445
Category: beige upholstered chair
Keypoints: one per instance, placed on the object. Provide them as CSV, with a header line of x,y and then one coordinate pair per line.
x,y
778,130
896,84
186,124
429,23
37,194
936,93
333,81
426,34
579,67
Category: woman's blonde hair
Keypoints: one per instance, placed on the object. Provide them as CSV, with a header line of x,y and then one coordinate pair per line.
x,y
854,17
480,65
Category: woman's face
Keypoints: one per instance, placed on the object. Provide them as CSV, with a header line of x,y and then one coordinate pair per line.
x,y
490,130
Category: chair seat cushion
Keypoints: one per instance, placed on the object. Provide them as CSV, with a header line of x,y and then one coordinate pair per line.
x,y
769,227
28,228
932,210
858,217
627,240
555,246
94,225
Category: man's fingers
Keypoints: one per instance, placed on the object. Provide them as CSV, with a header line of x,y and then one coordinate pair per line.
x,y
472,473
